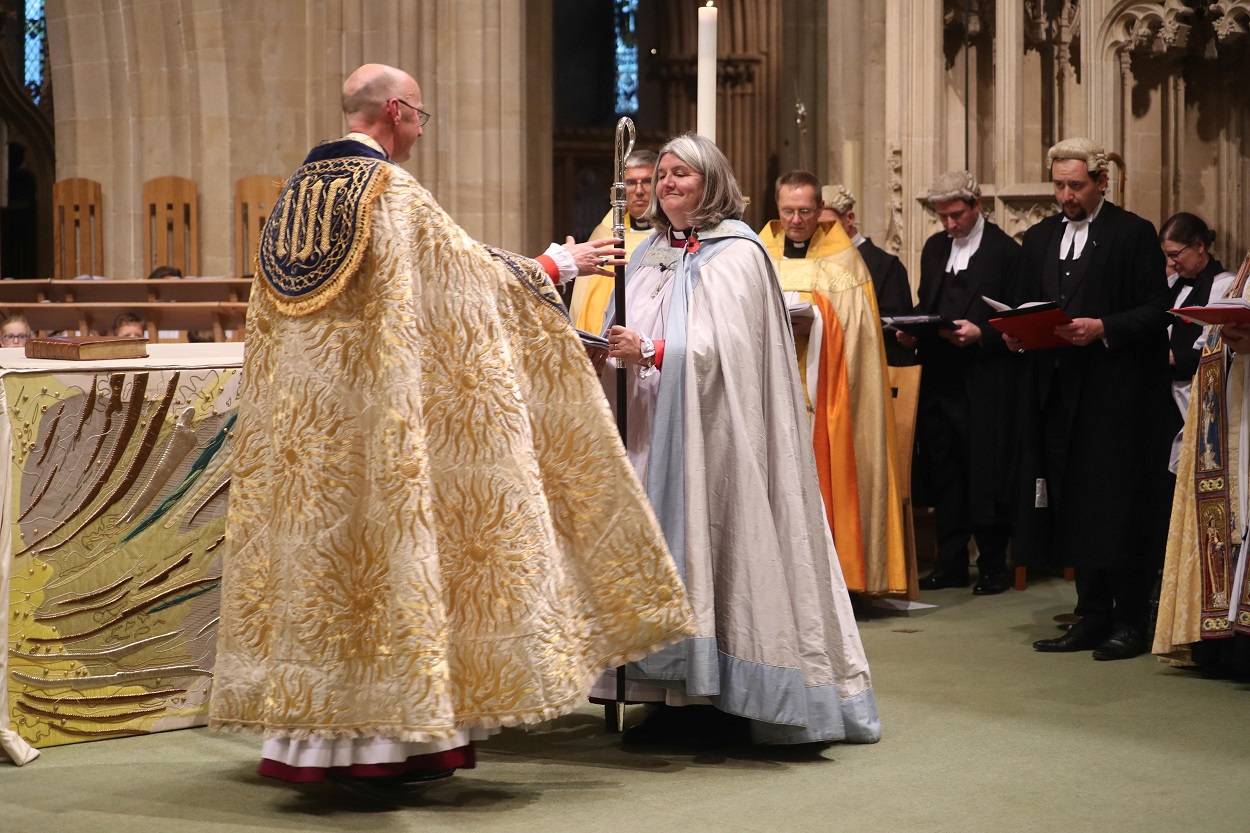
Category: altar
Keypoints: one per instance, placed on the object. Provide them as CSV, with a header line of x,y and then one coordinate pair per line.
x,y
112,510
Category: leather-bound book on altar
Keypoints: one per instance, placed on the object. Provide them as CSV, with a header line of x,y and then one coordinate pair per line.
x,y
86,348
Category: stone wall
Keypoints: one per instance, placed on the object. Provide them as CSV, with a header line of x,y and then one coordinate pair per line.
x,y
1158,83
215,90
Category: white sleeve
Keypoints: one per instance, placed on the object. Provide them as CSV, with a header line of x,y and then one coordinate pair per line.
x,y
564,262
1219,286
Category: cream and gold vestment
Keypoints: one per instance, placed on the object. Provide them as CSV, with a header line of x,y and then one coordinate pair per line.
x,y
1205,590
418,543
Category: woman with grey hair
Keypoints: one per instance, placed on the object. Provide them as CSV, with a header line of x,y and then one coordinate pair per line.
x,y
718,434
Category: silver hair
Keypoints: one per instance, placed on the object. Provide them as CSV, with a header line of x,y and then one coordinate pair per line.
x,y
838,197
1081,149
641,159
953,185
722,198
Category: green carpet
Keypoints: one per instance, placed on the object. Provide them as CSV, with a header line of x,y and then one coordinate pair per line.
x,y
980,734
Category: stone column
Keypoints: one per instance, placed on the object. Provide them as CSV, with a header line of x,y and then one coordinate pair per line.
x,y
1009,151
914,119
1101,76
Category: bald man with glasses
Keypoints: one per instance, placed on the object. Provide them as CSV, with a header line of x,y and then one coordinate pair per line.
x,y
402,466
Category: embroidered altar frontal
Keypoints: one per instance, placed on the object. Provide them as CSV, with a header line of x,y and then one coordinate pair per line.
x,y
115,511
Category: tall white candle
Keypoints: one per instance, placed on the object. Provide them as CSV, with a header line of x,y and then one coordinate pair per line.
x,y
705,119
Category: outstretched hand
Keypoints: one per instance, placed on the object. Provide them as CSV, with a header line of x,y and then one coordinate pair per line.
x,y
596,257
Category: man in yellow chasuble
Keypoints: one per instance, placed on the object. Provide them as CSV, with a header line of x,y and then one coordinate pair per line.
x,y
412,561
837,333
591,292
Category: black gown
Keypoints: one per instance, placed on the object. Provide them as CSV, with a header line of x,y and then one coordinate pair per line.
x,y
965,420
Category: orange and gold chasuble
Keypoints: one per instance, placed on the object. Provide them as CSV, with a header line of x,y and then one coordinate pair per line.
x,y
842,364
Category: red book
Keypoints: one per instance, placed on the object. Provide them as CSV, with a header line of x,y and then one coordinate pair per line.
x,y
1033,324
1217,313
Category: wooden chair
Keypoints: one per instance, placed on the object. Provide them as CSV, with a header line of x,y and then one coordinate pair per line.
x,y
171,224
905,386
254,198
77,228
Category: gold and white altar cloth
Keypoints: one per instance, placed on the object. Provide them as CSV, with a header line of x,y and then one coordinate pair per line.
x,y
113,512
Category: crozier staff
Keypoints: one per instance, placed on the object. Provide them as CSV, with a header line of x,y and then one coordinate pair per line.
x,y
718,433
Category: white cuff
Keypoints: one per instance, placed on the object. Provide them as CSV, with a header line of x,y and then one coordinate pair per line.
x,y
564,262
647,366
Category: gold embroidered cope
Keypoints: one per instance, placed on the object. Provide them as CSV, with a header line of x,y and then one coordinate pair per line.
x,y
433,524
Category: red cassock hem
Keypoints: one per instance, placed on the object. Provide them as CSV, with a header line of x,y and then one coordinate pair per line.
x,y
463,757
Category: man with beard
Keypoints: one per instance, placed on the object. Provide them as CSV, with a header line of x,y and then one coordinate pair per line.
x,y
1095,442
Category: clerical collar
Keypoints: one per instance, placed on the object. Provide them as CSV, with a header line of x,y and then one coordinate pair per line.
x,y
639,223
796,250
688,239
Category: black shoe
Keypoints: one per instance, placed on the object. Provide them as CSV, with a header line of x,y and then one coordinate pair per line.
x,y
420,777
382,792
940,579
703,727
992,584
387,790
1127,642
718,730
665,725
1082,636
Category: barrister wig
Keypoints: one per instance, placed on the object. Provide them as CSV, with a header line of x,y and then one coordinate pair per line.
x,y
722,198
838,197
953,185
1080,148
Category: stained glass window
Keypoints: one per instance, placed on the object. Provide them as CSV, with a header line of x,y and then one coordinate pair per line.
x,y
35,43
626,20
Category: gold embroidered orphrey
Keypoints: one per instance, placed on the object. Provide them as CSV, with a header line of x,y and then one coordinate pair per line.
x,y
1212,478
318,232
